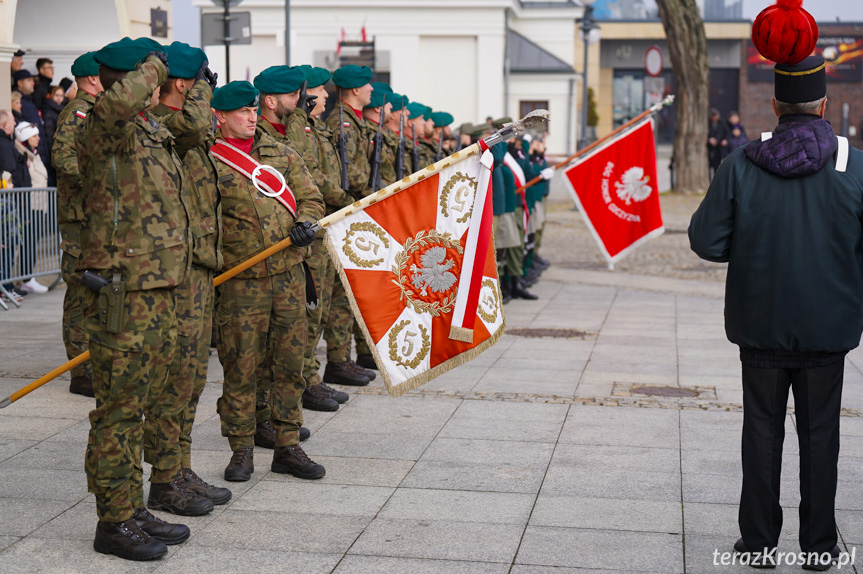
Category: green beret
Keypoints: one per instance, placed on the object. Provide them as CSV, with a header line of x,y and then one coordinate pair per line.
x,y
397,100
351,76
314,76
124,55
479,129
279,80
85,65
498,123
234,96
382,87
184,61
416,109
441,119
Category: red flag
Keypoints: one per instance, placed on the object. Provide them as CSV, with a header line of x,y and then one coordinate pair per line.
x,y
616,190
419,269
363,32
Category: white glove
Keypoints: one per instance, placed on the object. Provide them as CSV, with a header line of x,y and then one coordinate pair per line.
x,y
527,137
547,173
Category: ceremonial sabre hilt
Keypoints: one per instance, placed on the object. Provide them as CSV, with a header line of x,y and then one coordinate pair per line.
x,y
531,121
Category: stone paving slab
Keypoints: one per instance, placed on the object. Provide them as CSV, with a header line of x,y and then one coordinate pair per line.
x,y
506,465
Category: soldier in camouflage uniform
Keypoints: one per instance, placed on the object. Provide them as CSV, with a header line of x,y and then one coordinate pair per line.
x,y
397,109
280,91
265,304
355,93
312,139
70,213
417,122
135,239
372,116
280,94
428,147
441,133
184,108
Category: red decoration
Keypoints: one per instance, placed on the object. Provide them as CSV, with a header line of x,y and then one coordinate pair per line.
x,y
785,33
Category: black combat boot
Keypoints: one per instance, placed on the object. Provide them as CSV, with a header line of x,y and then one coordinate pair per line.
x,y
366,361
265,435
343,374
361,371
338,396
506,290
519,292
197,485
128,541
159,529
175,498
292,460
315,399
82,385
242,465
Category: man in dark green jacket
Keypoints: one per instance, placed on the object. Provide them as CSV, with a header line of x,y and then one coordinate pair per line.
x,y
785,212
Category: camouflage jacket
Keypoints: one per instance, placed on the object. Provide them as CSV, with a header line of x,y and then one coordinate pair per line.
x,y
136,218
252,221
358,148
191,128
388,157
428,151
70,212
313,140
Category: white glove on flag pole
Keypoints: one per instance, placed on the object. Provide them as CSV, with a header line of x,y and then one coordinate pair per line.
x,y
418,264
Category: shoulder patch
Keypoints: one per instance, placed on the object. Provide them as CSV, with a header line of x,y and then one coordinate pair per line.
x,y
308,129
80,114
346,124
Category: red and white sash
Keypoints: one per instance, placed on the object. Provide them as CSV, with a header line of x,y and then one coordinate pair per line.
x,y
265,178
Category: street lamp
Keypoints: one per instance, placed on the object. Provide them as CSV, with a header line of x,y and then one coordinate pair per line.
x,y
588,24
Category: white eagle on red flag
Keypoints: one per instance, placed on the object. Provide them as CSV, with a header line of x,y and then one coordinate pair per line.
x,y
419,269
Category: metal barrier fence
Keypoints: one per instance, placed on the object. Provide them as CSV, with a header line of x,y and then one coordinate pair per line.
x,y
29,237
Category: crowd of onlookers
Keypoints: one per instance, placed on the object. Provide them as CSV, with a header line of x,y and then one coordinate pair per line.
x,y
723,137
26,138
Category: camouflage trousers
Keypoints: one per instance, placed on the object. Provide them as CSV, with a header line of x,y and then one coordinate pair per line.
x,y
74,333
130,371
338,323
324,273
168,426
254,315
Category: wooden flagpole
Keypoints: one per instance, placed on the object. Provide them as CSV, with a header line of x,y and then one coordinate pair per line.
x,y
667,101
425,173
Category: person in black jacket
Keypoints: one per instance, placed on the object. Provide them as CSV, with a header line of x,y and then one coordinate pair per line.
x,y
54,104
785,213
12,160
45,74
717,139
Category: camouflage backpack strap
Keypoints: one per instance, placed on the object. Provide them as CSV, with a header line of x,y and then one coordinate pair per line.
x,y
266,179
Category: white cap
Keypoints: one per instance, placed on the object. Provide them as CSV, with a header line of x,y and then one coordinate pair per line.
x,y
25,130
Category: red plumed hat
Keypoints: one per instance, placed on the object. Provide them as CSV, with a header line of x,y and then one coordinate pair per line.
x,y
785,33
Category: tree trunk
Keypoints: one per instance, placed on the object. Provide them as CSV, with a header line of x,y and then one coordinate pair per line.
x,y
687,46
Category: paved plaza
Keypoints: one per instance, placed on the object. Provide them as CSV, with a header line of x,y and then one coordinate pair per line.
x,y
610,444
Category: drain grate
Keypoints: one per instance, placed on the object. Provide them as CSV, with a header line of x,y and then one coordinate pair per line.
x,y
553,333
641,390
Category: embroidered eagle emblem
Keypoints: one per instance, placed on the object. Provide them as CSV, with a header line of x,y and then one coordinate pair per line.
x,y
434,272
633,186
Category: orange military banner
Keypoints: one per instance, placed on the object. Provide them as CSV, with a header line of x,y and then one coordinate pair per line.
x,y
420,271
